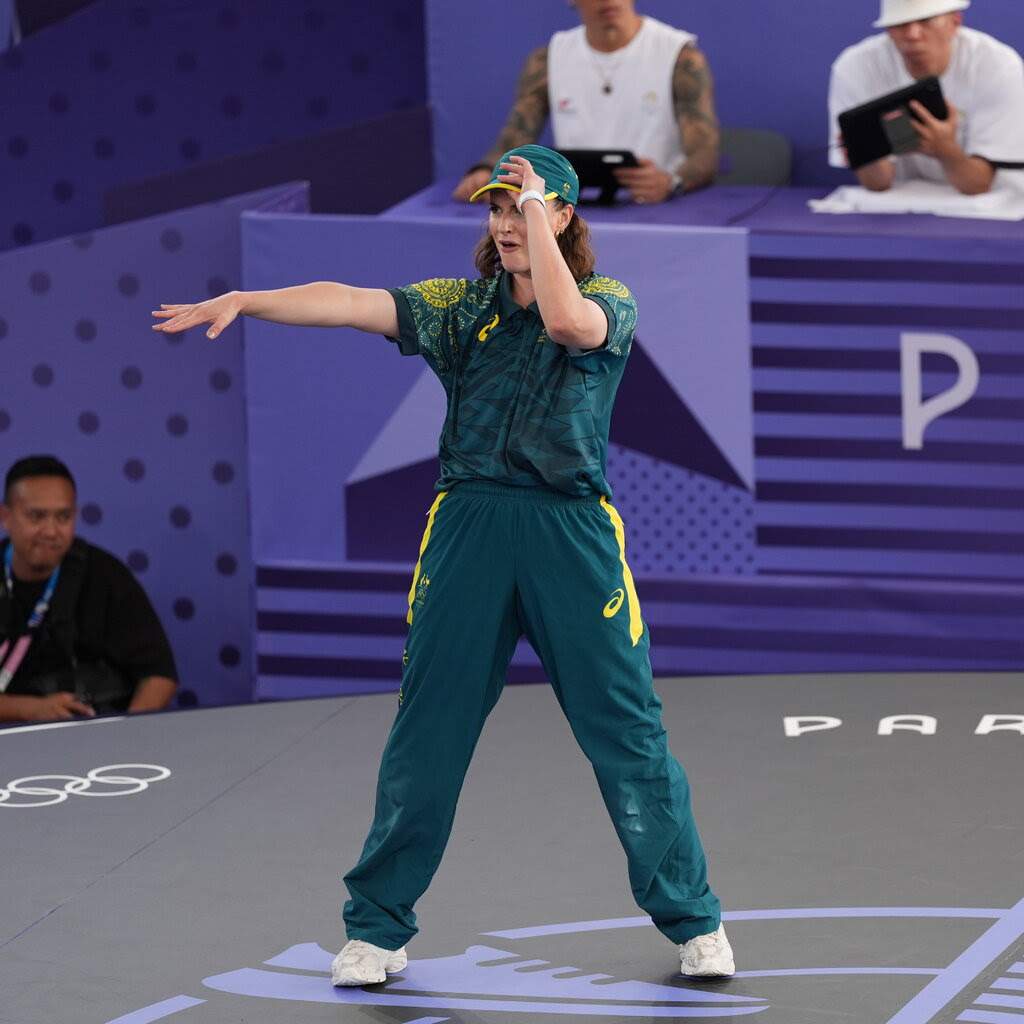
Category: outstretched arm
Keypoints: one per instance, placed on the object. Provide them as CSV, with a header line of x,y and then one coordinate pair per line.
x,y
320,304
523,125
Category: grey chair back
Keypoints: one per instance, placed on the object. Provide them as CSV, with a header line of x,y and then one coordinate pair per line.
x,y
753,156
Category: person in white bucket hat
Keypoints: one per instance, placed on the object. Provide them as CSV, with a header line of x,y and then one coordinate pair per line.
x,y
982,81
901,12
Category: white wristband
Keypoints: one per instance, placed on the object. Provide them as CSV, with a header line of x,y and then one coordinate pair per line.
x,y
524,196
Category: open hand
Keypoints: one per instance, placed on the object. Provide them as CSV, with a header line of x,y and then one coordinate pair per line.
x,y
218,312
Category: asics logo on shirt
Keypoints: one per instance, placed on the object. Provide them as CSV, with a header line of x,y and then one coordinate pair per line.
x,y
615,603
482,336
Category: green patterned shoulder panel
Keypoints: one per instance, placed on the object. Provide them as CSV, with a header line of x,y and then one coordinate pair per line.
x,y
441,292
444,293
595,284
620,301
444,310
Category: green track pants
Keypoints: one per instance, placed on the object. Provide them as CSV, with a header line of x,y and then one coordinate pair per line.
x,y
498,562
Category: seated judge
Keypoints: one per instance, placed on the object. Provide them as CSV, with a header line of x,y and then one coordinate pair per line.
x,y
619,80
982,81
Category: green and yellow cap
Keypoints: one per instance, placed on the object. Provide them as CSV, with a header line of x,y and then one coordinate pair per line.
x,y
559,177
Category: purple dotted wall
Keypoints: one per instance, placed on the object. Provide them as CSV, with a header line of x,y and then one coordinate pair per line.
x,y
128,89
679,522
152,425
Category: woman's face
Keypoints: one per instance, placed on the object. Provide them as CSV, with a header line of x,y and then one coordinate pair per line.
x,y
507,226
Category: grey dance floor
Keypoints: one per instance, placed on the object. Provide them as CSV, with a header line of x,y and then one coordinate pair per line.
x,y
866,878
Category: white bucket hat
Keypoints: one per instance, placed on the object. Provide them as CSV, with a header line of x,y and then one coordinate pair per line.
x,y
899,12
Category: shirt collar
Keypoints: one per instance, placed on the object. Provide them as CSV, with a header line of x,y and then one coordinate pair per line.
x,y
507,306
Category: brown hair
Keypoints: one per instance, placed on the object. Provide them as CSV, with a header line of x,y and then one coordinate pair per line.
x,y
573,244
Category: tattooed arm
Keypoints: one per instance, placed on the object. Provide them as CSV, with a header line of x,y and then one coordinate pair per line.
x,y
694,106
523,125
694,101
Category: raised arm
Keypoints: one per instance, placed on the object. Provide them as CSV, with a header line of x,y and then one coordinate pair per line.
x,y
523,125
569,318
320,304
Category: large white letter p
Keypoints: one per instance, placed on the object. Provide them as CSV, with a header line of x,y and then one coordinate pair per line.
x,y
918,412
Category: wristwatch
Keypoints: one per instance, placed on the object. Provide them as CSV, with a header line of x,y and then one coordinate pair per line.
x,y
675,184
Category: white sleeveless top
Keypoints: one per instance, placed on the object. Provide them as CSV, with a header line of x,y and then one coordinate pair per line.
x,y
638,113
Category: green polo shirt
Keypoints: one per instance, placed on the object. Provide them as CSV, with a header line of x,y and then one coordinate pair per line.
x,y
522,410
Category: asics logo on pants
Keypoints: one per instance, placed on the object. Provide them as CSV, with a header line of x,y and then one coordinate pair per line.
x,y
615,603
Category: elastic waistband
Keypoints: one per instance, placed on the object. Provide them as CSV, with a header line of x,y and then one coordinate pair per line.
x,y
529,495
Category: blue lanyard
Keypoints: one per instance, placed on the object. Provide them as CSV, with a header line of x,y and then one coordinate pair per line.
x,y
43,604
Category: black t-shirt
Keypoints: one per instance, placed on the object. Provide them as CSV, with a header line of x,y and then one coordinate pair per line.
x,y
99,614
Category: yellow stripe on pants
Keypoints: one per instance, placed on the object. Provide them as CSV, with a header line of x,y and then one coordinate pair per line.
x,y
423,547
636,625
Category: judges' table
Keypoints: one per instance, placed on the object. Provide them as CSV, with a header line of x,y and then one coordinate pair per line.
x,y
713,207
758,208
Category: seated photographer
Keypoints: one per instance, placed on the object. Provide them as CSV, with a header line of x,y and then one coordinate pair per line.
x,y
982,82
78,636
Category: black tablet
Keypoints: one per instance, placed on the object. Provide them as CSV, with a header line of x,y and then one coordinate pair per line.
x,y
885,125
596,167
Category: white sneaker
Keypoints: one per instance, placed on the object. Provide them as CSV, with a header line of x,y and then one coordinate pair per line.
x,y
362,963
707,956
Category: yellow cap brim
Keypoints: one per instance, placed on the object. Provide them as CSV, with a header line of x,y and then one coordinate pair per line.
x,y
508,188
